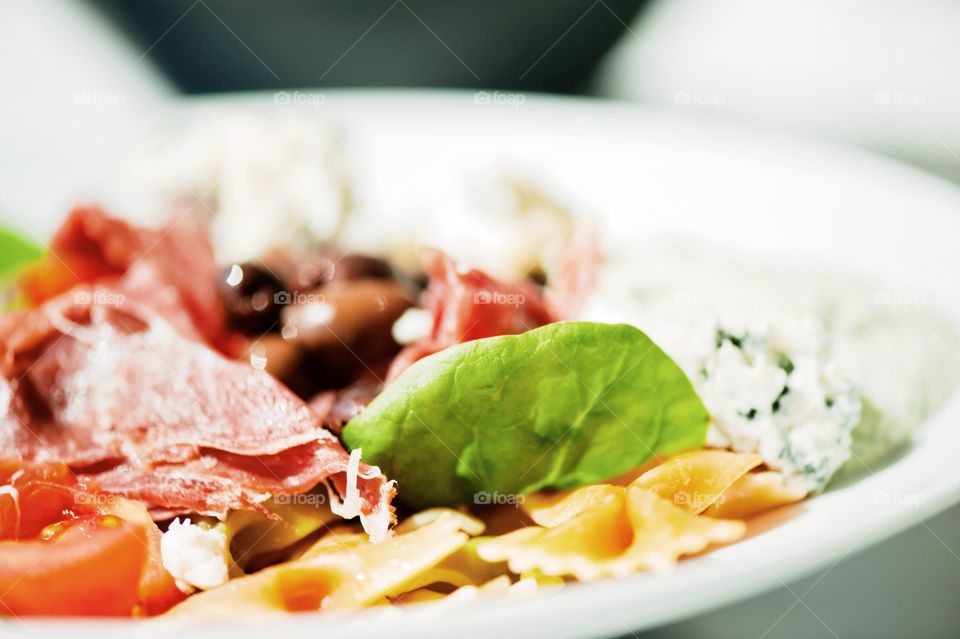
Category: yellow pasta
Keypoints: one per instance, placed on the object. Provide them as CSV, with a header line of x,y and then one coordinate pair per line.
x,y
755,493
339,538
680,506
552,509
604,531
663,532
340,574
697,479
461,568
693,480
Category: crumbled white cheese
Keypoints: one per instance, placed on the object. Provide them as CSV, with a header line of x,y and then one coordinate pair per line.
x,y
413,326
774,391
196,557
377,523
901,356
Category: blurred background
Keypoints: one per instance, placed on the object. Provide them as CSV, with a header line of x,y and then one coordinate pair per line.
x,y
877,74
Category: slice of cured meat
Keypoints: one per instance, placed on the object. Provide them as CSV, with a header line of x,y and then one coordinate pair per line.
x,y
104,383
468,304
176,262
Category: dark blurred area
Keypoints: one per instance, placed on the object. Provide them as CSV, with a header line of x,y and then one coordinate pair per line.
x,y
534,45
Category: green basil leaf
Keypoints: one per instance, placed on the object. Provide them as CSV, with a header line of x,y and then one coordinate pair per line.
x,y
15,253
559,406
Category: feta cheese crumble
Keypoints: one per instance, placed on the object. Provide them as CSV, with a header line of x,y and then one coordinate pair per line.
x,y
902,357
412,326
196,557
774,391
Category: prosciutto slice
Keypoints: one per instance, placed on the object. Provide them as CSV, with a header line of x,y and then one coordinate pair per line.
x,y
174,264
468,304
105,383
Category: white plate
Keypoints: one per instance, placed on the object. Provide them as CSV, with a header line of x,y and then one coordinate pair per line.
x,y
749,189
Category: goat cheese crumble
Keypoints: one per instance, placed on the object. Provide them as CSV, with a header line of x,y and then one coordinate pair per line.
x,y
774,391
196,557
412,326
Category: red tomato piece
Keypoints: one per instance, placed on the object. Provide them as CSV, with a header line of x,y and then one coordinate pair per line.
x,y
42,506
92,568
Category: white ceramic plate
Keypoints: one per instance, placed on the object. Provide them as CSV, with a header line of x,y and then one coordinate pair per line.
x,y
754,191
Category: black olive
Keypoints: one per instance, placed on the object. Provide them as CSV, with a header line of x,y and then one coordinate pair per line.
x,y
343,329
355,313
275,355
252,297
331,266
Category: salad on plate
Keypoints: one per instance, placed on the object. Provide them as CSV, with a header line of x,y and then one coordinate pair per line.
x,y
268,403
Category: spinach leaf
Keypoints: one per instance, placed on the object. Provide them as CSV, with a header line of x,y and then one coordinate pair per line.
x,y
559,406
15,253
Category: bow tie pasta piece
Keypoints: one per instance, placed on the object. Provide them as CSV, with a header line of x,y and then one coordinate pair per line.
x,y
339,538
693,481
594,533
697,479
755,493
608,531
462,568
328,578
553,509
663,532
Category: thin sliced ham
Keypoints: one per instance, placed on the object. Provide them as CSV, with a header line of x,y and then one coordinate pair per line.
x,y
468,304
101,381
175,262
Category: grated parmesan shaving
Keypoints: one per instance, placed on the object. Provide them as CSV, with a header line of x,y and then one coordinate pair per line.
x,y
375,524
350,506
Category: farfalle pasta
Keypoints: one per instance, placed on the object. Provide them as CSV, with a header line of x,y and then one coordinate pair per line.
x,y
324,576
695,480
608,530
756,493
462,568
680,506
